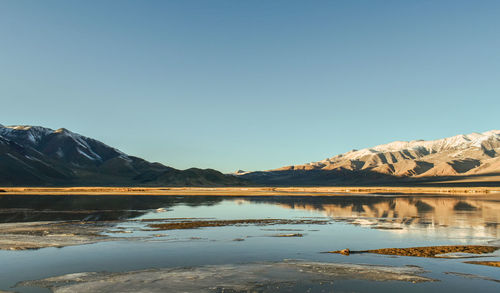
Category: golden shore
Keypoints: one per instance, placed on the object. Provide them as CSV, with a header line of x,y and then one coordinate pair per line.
x,y
248,191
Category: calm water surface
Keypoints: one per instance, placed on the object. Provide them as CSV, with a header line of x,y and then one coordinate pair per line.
x,y
355,222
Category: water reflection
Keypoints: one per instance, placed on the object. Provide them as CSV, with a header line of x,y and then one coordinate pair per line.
x,y
463,216
30,208
419,220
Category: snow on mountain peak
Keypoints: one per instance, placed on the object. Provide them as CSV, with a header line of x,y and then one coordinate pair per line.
x,y
492,132
32,134
457,142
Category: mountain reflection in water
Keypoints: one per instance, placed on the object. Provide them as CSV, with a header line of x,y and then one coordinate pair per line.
x,y
463,216
31,208
474,216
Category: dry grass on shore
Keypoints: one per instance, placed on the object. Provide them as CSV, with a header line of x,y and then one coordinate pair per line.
x,y
485,263
247,191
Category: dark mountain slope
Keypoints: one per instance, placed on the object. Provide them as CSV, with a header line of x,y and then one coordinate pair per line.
x,y
39,156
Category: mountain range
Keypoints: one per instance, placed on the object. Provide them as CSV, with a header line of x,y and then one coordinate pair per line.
x,y
39,156
472,159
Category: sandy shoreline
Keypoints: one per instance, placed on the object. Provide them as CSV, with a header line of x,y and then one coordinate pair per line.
x,y
247,191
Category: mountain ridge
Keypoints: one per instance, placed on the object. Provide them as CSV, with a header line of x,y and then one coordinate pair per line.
x,y
40,156
404,161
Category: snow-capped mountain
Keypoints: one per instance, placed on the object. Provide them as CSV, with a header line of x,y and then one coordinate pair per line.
x,y
62,144
34,155
461,155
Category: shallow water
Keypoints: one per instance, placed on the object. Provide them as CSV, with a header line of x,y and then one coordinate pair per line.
x,y
354,222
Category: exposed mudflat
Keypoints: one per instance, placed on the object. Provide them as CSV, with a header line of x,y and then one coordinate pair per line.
x,y
35,235
193,224
261,277
427,251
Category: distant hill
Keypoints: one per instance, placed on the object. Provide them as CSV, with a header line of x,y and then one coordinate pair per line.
x,y
472,159
39,156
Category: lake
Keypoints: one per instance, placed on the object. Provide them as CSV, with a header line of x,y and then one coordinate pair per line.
x,y
283,250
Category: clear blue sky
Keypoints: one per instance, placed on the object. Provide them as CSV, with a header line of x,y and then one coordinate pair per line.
x,y
250,84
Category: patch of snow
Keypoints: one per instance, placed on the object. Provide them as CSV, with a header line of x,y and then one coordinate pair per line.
x,y
31,137
86,155
32,134
60,153
124,157
81,142
20,161
37,160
